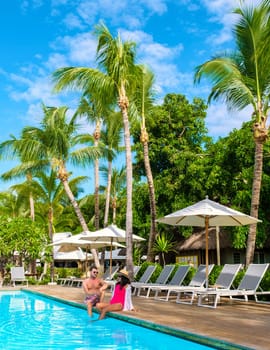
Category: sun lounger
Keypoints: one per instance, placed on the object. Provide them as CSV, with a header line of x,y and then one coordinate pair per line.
x,y
248,286
110,273
66,281
176,281
136,270
161,280
144,278
197,282
224,280
18,275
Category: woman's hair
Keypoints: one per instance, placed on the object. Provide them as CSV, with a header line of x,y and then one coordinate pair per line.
x,y
123,281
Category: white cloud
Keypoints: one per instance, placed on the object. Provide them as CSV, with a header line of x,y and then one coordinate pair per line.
x,y
157,6
79,49
73,21
56,61
160,58
37,90
220,121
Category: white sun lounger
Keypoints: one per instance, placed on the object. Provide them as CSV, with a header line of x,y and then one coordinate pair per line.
x,y
176,281
248,286
161,280
144,278
18,275
197,282
224,280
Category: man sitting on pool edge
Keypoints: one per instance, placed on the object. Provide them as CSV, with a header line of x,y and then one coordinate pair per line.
x,y
121,298
94,289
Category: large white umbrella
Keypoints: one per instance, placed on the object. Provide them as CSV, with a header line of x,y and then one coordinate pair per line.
x,y
74,243
207,213
111,233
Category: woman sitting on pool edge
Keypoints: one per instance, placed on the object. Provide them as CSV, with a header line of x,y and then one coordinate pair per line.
x,y
121,298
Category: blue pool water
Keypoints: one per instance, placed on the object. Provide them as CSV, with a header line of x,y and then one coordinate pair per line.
x,y
31,321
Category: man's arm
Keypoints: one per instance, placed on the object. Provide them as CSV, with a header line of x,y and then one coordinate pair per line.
x,y
104,285
85,287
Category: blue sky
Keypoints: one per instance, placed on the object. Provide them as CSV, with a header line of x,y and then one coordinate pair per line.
x,y
173,37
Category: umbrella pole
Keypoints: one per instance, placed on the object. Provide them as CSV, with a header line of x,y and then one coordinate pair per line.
x,y
111,258
86,262
217,244
206,249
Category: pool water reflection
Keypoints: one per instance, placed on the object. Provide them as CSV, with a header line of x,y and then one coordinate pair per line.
x,y
34,322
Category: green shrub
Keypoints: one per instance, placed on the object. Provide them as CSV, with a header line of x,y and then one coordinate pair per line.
x,y
63,272
214,274
156,273
32,280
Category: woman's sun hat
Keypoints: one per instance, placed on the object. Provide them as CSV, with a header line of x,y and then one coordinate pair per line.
x,y
124,273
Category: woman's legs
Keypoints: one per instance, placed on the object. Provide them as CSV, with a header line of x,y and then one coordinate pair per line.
x,y
108,308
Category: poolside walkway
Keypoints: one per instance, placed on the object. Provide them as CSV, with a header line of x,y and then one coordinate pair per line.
x,y
246,324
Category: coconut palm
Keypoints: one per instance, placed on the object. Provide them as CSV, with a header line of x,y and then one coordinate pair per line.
x,y
118,182
144,102
9,149
91,106
242,78
115,80
13,204
111,137
49,193
50,147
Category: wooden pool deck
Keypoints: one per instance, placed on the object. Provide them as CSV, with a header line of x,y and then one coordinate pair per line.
x,y
242,323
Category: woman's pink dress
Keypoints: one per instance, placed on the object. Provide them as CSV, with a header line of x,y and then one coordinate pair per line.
x,y
118,295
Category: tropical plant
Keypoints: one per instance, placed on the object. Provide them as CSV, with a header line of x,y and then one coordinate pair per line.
x,y
11,149
140,109
164,244
111,137
92,108
23,236
13,204
115,81
242,78
118,182
51,147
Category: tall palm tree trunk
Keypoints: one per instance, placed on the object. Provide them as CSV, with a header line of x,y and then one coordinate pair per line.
x,y
123,104
108,194
96,195
114,207
50,220
152,199
255,200
79,214
97,137
32,207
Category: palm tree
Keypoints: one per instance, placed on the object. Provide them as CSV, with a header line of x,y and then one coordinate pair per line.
x,y
49,194
92,108
242,78
13,204
164,244
50,147
111,137
118,181
144,102
116,80
9,149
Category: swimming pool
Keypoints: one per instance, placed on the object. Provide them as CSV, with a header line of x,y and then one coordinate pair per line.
x,y
36,322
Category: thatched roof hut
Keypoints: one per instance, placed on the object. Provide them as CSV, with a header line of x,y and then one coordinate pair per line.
x,y
197,241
